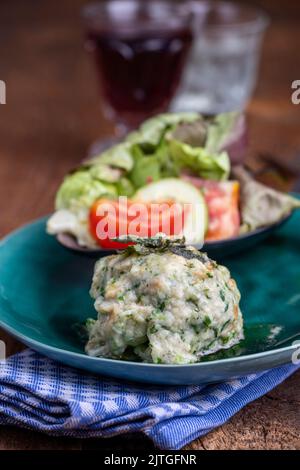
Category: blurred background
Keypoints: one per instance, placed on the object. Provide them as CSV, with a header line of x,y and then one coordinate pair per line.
x,y
54,109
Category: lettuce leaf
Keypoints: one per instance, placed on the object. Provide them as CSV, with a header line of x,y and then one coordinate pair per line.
x,y
151,131
125,187
192,133
200,161
261,205
146,169
223,130
118,156
152,167
161,147
82,189
106,173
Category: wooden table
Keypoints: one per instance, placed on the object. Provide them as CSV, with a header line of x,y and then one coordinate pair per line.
x,y
51,116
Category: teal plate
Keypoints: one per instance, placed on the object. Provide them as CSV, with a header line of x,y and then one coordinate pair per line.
x,y
44,296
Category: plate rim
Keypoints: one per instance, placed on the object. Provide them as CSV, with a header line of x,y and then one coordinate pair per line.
x,y
246,235
208,244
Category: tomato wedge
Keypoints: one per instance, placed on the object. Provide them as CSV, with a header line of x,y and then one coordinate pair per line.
x,y
113,218
223,210
222,199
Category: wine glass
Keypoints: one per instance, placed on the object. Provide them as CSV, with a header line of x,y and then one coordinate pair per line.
x,y
139,49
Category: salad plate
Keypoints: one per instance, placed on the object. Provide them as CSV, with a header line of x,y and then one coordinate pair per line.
x,y
44,299
215,249
223,248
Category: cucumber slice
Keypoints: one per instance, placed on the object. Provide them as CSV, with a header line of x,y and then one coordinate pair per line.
x,y
177,190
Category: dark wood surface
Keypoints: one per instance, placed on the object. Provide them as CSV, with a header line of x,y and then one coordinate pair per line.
x,y
53,113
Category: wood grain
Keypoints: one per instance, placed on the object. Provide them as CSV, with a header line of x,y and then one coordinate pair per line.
x,y
53,113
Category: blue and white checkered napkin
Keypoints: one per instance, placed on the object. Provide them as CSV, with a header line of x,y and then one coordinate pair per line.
x,y
38,393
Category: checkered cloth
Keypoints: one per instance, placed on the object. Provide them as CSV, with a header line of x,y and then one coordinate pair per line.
x,y
40,394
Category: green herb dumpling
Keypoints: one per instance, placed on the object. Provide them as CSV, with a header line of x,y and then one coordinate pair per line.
x,y
163,303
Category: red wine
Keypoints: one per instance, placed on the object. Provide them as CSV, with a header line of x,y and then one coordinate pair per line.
x,y
141,69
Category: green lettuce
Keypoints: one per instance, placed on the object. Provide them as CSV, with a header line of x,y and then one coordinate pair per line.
x,y
145,170
118,156
221,130
152,131
152,167
192,133
125,187
162,147
200,161
105,173
81,188
261,205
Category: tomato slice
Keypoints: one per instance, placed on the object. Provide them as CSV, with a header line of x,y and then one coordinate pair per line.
x,y
222,199
223,210
113,218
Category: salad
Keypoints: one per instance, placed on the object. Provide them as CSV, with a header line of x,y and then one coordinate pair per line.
x,y
182,158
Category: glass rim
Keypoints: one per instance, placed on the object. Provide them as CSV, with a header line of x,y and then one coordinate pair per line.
x,y
257,24
95,10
